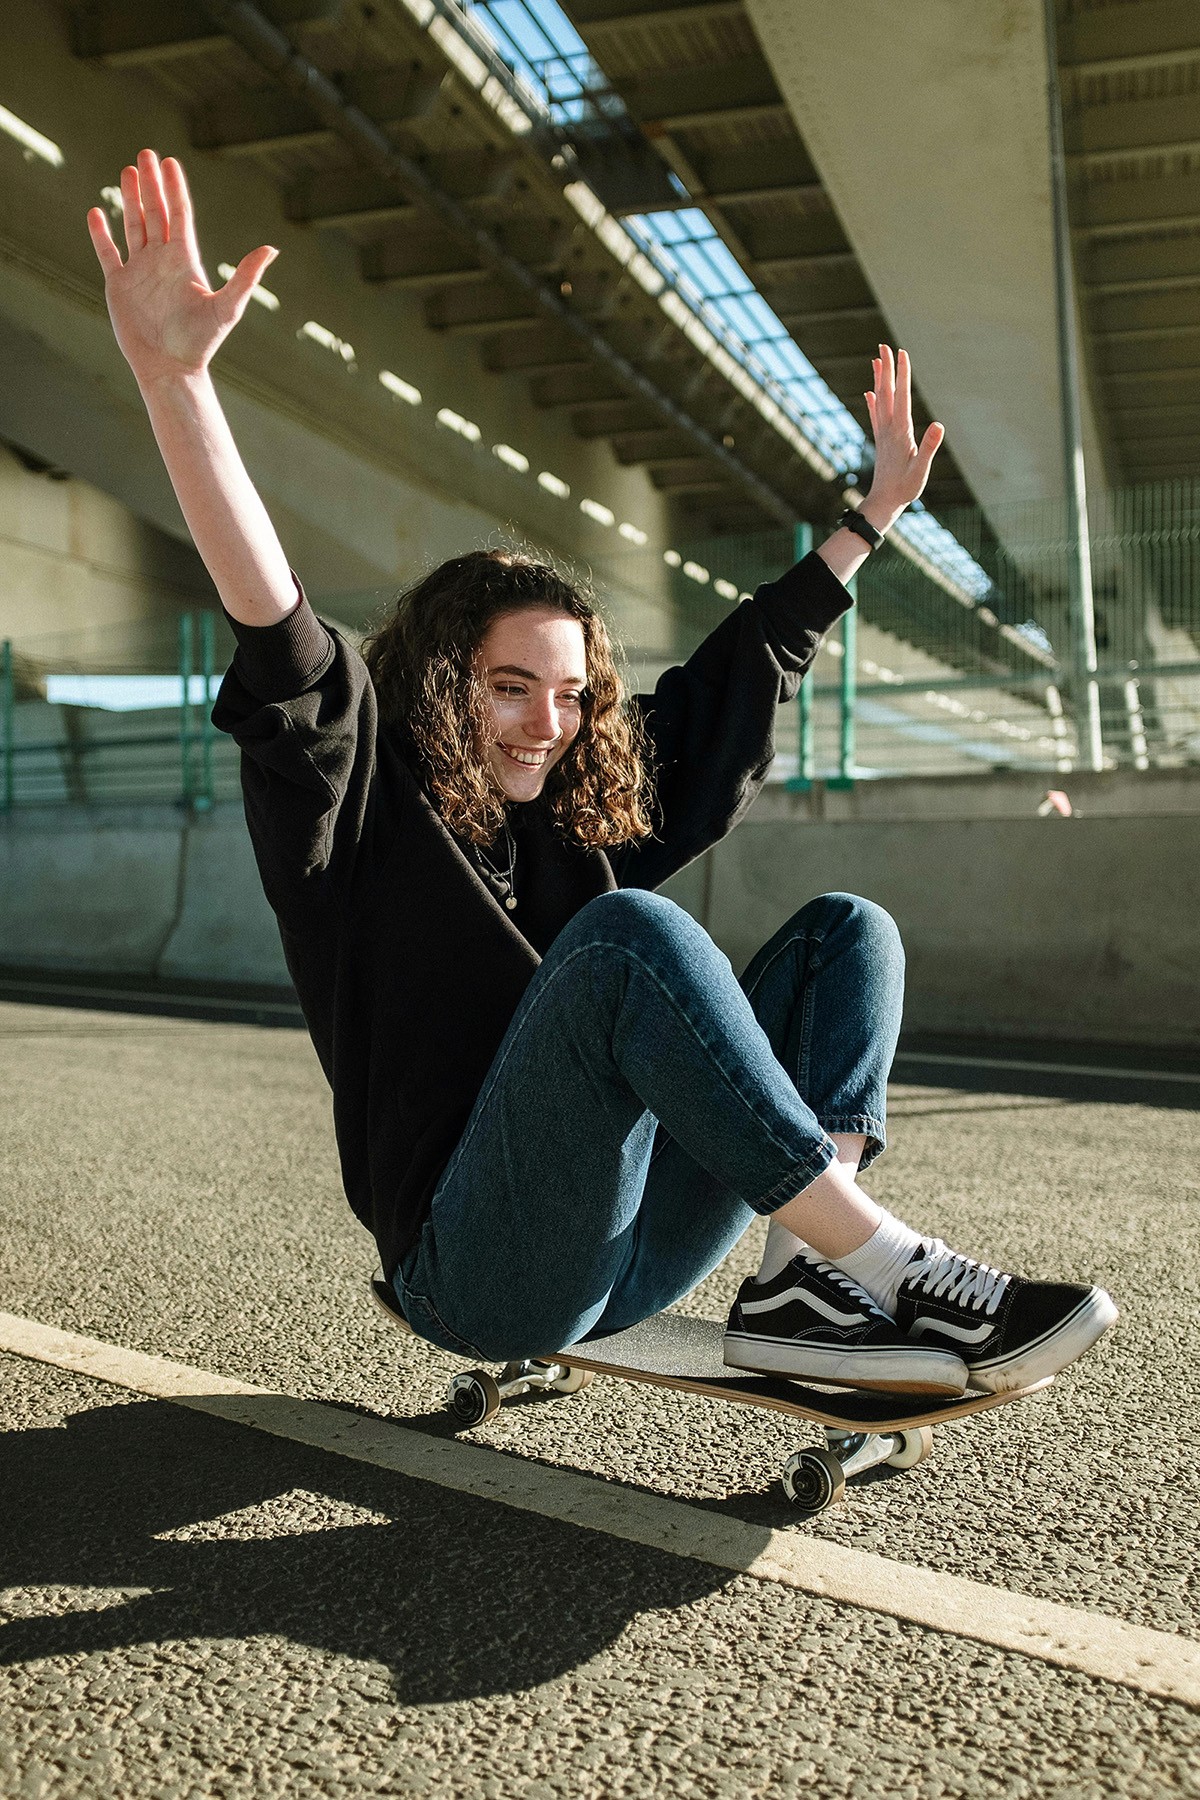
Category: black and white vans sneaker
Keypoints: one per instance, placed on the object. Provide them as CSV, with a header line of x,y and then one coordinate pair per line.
x,y
813,1323
1009,1331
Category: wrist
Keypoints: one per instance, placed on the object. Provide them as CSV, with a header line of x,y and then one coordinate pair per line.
x,y
174,384
881,511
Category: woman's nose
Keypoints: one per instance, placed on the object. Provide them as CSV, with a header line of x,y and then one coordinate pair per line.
x,y
541,721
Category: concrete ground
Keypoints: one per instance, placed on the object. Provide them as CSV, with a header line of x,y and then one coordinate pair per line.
x,y
191,1608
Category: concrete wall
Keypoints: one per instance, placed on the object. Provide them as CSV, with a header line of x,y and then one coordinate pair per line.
x,y
141,890
1082,928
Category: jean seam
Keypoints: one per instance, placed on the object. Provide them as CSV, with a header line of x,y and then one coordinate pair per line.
x,y
814,937
423,1300
652,975
801,1176
858,1123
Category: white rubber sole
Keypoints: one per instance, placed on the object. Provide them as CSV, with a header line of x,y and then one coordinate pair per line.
x,y
898,1371
1034,1362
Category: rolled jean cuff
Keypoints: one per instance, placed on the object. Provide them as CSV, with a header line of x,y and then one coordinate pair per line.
x,y
860,1125
800,1176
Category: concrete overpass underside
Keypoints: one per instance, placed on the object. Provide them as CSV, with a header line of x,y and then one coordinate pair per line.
x,y
435,241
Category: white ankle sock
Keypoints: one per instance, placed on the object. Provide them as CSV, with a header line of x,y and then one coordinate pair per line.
x,y
781,1246
880,1263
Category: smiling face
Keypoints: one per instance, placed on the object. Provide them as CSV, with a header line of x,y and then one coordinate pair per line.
x,y
533,664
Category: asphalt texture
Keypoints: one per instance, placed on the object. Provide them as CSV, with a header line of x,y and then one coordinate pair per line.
x,y
189,1608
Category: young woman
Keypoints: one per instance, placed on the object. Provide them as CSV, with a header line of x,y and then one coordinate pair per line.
x,y
556,1108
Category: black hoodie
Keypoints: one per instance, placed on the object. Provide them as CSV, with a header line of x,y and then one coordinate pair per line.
x,y
407,967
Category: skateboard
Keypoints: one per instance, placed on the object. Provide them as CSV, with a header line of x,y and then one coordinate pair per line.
x,y
862,1428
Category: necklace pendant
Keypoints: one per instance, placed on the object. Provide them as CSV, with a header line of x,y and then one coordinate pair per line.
x,y
511,902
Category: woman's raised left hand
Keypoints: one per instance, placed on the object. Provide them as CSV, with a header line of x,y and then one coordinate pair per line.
x,y
901,464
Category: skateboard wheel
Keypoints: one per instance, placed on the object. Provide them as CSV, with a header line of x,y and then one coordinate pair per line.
x,y
813,1480
473,1397
572,1381
912,1447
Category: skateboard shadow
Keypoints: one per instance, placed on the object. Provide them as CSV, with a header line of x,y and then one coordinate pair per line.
x,y
456,1597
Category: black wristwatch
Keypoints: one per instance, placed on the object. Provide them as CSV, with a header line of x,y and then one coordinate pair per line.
x,y
854,521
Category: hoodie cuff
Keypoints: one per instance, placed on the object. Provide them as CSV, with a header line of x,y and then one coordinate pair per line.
x,y
278,662
809,598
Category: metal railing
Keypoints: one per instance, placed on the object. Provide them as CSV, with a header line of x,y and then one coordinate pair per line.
x,y
77,723
913,681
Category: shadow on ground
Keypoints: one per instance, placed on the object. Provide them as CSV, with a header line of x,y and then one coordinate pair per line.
x,y
458,1598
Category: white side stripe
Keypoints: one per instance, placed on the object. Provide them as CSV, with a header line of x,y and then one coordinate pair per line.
x,y
964,1334
811,1301
1152,1662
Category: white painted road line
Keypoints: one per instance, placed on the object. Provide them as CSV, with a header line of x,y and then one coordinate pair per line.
x,y
1042,1068
1152,1662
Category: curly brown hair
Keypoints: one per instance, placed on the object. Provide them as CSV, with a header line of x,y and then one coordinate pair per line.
x,y
422,664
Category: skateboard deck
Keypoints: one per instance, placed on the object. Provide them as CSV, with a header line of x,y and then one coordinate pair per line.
x,y
863,1428
672,1351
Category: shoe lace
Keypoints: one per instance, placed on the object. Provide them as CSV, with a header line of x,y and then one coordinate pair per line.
x,y
831,1272
949,1275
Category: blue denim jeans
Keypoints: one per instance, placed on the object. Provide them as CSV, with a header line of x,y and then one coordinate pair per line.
x,y
643,1106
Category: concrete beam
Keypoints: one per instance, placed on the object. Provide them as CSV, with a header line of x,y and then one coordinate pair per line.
x,y
1120,39
654,446
575,386
612,418
749,170
1168,124
1131,209
429,258
272,120
606,22
741,87
129,34
983,342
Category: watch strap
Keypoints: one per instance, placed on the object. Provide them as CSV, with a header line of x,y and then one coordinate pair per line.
x,y
854,521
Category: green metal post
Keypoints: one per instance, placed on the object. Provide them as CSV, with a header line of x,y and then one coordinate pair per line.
x,y
806,759
208,638
849,692
185,718
7,704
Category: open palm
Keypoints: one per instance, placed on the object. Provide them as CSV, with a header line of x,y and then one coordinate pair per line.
x,y
901,464
167,318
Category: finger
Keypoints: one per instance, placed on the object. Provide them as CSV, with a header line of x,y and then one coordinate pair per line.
x,y
154,205
131,210
928,448
180,216
877,378
904,387
102,242
889,377
870,400
233,297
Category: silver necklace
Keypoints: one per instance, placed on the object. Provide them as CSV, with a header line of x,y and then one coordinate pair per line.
x,y
505,877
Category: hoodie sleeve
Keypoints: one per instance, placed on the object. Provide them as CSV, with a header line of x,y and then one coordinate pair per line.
x,y
711,721
299,703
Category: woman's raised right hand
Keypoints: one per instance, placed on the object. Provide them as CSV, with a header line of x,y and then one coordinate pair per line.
x,y
168,320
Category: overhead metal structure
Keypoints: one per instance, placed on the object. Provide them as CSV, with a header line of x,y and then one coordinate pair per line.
x,y
1130,75
695,78
399,125
384,122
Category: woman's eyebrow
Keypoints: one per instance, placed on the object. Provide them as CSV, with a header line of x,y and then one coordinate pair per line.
x,y
528,674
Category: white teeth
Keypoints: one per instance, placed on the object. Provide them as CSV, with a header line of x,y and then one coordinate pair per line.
x,y
530,760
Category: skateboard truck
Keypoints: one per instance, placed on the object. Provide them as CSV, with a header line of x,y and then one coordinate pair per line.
x,y
815,1479
477,1396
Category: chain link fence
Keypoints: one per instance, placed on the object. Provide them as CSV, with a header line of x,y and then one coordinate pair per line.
x,y
927,676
